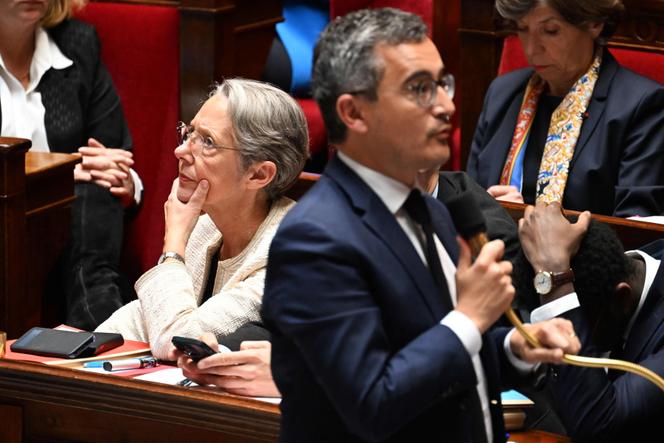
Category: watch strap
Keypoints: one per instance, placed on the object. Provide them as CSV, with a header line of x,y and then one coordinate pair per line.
x,y
560,278
170,254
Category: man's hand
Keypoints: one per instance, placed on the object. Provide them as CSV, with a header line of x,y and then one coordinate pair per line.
x,y
505,193
484,288
556,336
548,239
181,217
246,372
108,168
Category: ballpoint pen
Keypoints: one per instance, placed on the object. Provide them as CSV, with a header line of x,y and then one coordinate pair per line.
x,y
130,363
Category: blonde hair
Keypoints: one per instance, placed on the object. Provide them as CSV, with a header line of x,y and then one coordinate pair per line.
x,y
59,10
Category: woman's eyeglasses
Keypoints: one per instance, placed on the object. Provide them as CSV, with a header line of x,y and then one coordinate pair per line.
x,y
187,134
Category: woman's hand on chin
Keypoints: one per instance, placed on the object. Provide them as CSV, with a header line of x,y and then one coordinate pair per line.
x,y
506,193
180,218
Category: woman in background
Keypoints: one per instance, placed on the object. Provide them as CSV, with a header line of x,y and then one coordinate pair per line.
x,y
575,127
55,91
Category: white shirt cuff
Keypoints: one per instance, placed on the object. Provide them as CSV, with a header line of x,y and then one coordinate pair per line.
x,y
521,366
555,308
138,186
465,329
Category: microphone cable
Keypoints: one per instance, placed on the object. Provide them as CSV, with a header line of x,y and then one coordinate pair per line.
x,y
469,223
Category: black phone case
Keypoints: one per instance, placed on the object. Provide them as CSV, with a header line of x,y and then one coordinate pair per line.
x,y
103,341
52,342
195,349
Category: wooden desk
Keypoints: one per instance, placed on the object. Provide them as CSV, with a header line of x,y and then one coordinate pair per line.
x,y
42,403
632,233
36,192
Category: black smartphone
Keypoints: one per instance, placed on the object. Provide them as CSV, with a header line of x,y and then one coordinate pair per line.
x,y
53,342
195,349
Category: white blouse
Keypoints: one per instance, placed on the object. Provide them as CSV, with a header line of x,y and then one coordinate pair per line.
x,y
23,110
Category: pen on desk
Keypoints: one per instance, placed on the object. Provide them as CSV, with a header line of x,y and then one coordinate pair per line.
x,y
130,363
184,382
94,364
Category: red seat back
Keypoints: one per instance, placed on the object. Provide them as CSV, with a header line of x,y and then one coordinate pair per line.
x,y
140,47
423,8
647,64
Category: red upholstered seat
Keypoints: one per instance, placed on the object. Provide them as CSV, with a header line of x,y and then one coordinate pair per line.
x,y
647,64
140,47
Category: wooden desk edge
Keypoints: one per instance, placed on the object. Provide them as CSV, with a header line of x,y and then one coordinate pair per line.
x,y
37,163
204,407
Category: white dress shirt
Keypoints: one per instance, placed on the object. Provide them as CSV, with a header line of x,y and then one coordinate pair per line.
x,y
22,108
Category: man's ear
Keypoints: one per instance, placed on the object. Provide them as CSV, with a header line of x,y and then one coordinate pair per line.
x,y
350,111
626,300
260,174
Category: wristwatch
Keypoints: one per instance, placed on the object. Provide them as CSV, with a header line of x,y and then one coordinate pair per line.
x,y
170,254
545,281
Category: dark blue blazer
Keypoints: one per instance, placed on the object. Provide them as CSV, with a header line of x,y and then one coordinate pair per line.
x,y
618,164
357,349
630,408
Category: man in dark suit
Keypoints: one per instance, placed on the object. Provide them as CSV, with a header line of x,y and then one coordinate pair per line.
x,y
616,303
380,322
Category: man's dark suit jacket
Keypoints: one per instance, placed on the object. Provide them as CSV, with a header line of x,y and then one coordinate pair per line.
x,y
499,224
618,163
630,408
358,351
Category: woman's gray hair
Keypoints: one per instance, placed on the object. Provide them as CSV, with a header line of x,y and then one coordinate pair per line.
x,y
576,12
345,59
268,125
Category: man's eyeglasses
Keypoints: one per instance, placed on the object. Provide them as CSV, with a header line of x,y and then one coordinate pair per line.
x,y
426,90
187,134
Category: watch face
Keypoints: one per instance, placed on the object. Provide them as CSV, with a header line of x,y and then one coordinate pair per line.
x,y
542,282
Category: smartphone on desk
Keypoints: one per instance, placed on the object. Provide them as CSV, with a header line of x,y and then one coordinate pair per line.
x,y
195,349
53,342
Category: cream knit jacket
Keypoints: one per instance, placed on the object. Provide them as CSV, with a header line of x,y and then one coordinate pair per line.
x,y
170,294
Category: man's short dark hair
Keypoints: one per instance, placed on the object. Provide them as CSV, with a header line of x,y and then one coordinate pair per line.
x,y
598,267
345,62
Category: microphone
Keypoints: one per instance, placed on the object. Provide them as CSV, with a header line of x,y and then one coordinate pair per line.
x,y
468,220
470,224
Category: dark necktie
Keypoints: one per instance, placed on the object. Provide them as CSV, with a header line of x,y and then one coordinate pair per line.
x,y
416,208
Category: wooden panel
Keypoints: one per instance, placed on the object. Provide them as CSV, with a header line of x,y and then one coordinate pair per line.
x,y
222,38
60,404
36,192
11,424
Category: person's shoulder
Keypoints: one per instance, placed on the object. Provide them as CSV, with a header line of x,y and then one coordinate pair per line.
x,y
76,39
323,209
625,78
514,79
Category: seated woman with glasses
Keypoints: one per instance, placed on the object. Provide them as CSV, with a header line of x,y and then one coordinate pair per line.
x,y
242,151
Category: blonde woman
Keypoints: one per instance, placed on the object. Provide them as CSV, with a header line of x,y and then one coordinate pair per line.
x,y
55,91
